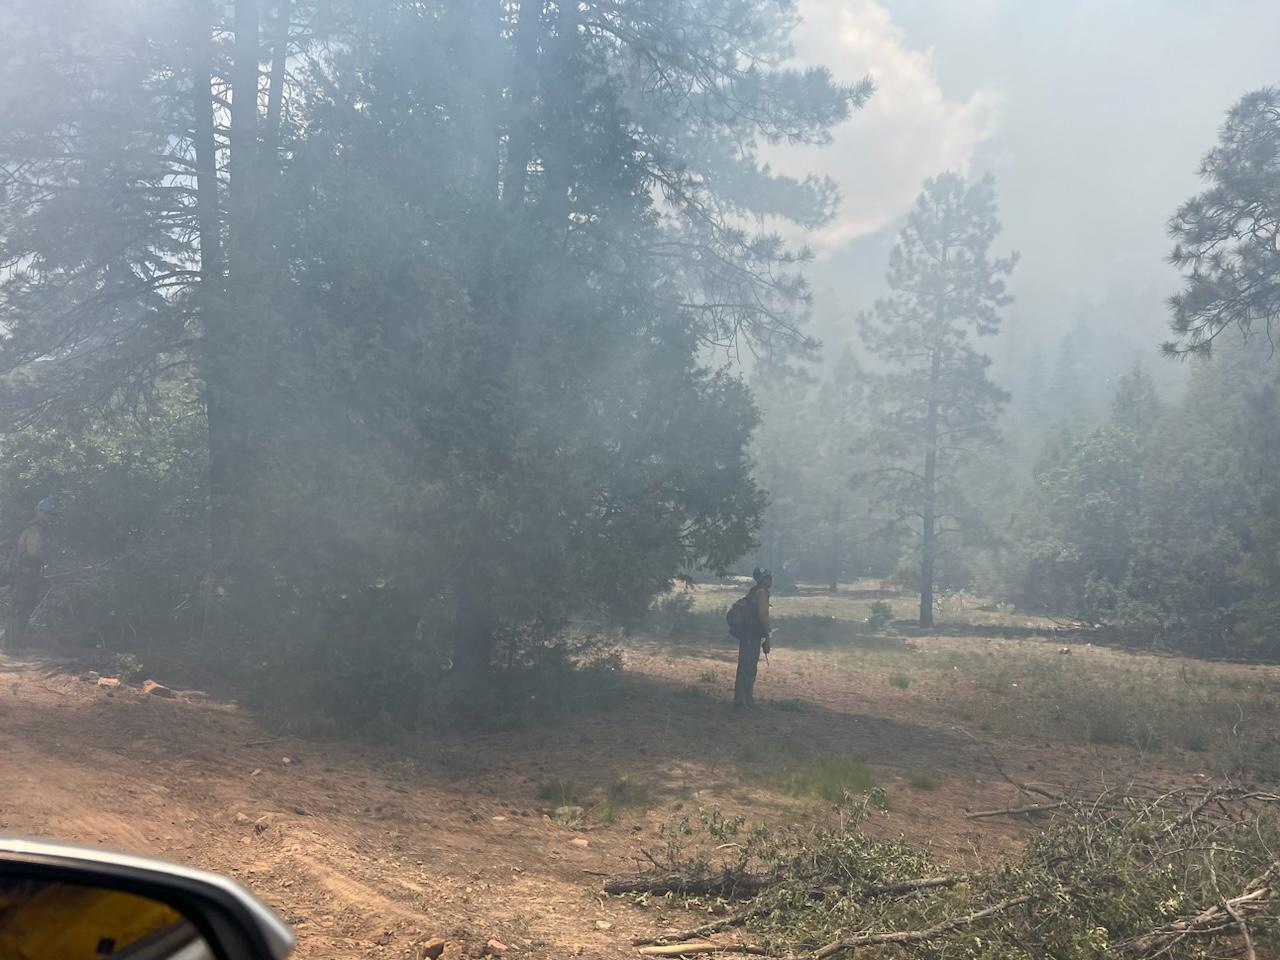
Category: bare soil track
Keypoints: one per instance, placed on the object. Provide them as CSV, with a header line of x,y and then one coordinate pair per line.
x,y
366,855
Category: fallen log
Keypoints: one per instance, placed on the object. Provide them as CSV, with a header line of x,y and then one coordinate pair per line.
x,y
726,885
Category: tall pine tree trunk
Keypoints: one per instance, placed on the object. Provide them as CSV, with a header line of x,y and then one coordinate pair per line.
x,y
929,538
561,140
211,300
520,120
206,161
275,86
474,639
226,347
837,555
244,125
488,118
778,561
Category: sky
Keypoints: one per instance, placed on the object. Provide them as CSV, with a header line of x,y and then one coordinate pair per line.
x,y
1092,115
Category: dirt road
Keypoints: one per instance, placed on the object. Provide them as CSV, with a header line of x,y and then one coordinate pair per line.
x,y
366,854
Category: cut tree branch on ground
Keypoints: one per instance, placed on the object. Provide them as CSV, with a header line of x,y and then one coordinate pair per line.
x,y
1214,920
1249,952
705,930
1027,788
911,886
899,888
807,896
690,949
919,936
1016,811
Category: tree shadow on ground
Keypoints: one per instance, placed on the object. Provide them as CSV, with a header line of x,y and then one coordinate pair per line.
x,y
677,735
45,664
672,734
814,632
992,630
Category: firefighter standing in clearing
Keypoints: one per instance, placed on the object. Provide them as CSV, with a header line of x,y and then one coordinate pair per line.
x,y
753,639
30,555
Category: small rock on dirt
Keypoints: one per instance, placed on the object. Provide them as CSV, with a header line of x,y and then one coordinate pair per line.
x,y
431,949
580,842
157,689
452,951
242,819
109,683
495,948
603,925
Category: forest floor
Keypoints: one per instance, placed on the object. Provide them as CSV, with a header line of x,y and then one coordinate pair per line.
x,y
367,852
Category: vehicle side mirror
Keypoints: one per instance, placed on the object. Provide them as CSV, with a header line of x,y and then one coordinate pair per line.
x,y
61,901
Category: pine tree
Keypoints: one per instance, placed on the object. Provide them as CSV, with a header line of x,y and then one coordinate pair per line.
x,y
937,405
784,465
1030,400
1227,235
1066,397
842,401
1136,404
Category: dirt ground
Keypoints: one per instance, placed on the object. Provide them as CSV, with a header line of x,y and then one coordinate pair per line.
x,y
367,855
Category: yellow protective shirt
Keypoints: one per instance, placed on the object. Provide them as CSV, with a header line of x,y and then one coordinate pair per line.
x,y
59,921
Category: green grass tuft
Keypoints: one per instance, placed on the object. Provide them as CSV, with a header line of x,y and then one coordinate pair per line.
x,y
750,752
922,780
830,779
622,795
793,705
692,694
558,793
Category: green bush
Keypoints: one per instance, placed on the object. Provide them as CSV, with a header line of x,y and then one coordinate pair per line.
x,y
127,667
880,616
672,614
